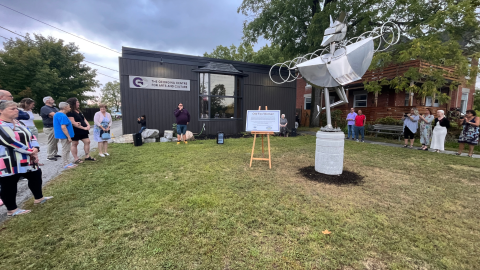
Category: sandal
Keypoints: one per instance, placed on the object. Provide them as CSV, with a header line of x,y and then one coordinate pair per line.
x,y
78,161
90,158
470,156
43,201
69,166
405,146
19,212
457,154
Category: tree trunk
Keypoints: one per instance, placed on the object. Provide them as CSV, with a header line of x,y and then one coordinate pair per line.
x,y
316,93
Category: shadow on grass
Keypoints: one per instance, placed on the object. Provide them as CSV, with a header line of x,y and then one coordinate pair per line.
x,y
346,178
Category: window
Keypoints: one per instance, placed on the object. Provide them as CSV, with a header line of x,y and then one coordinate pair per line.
x,y
407,99
360,100
308,103
464,102
428,101
220,96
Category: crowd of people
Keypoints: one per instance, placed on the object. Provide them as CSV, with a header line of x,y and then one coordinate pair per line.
x,y
19,146
433,130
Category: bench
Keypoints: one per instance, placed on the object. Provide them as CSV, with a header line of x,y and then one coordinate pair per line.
x,y
388,129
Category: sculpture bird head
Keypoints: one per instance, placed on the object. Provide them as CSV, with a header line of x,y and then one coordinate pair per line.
x,y
337,30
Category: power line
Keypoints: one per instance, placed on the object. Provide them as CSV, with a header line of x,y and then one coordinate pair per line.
x,y
99,65
83,60
62,30
107,75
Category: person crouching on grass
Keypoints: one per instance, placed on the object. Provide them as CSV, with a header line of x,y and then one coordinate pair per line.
x,y
20,159
63,129
183,118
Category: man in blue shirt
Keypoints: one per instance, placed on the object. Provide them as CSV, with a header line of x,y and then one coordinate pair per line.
x,y
64,132
351,122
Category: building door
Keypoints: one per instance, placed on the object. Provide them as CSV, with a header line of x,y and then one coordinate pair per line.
x,y
464,102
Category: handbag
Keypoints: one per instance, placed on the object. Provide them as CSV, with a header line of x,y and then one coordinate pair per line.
x,y
105,135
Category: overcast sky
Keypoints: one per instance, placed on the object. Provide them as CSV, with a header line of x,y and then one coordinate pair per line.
x,y
180,26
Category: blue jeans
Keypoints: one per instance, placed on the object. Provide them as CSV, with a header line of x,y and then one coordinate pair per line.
x,y
142,129
181,129
350,132
361,130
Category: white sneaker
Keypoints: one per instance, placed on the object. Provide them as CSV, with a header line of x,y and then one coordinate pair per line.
x,y
102,155
107,154
357,140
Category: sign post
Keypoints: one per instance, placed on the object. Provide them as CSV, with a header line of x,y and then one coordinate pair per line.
x,y
263,123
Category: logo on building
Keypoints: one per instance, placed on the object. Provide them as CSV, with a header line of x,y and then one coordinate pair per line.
x,y
140,82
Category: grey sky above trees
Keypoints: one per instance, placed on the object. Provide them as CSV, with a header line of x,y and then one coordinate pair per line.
x,y
189,26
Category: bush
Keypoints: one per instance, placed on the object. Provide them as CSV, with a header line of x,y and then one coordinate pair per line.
x,y
389,121
337,119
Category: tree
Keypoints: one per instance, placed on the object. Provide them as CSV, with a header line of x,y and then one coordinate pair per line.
x,y
476,100
44,66
442,32
111,95
267,55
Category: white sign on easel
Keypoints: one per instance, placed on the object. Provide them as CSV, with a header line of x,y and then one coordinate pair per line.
x,y
263,120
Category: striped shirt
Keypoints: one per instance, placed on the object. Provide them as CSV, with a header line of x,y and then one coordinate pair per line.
x,y
16,145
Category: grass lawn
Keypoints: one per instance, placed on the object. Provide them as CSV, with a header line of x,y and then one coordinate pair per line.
x,y
200,206
39,125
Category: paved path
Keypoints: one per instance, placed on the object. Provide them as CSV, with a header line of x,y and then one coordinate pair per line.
x,y
52,168
398,145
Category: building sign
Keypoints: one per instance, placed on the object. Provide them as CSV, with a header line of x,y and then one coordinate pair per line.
x,y
159,83
265,121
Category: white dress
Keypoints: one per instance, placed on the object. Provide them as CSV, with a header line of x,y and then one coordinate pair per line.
x,y
438,137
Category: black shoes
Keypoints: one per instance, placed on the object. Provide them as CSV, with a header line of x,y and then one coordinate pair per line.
x,y
57,156
52,159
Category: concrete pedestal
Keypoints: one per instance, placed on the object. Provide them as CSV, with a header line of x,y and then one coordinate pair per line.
x,y
329,152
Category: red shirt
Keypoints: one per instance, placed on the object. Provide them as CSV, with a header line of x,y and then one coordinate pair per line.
x,y
359,120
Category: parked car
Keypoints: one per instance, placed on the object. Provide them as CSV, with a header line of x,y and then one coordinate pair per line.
x,y
117,114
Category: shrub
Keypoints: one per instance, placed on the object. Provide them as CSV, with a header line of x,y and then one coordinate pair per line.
x,y
389,121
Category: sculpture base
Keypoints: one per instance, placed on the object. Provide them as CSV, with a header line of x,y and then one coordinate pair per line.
x,y
329,152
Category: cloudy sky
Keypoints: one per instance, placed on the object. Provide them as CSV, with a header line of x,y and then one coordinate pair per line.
x,y
180,26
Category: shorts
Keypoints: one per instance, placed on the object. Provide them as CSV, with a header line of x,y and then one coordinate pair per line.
x,y
408,134
181,129
79,137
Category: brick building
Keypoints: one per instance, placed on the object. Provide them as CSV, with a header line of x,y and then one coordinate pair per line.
x,y
389,103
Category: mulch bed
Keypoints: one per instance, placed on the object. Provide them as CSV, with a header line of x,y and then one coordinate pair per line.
x,y
346,178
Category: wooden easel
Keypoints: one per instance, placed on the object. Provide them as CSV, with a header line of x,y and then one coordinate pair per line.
x,y
255,133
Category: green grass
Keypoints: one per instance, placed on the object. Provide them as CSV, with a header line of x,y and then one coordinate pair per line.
x,y
200,206
39,125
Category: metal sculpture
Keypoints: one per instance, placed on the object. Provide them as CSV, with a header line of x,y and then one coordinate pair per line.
x,y
340,62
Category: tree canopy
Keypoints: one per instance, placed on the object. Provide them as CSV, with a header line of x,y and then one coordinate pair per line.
x,y
111,95
267,55
44,66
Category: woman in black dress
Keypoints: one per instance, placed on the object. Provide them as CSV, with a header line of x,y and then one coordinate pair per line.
x,y
81,127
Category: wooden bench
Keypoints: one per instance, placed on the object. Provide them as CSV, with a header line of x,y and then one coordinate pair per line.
x,y
388,129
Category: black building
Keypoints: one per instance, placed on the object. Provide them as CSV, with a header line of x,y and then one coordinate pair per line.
x,y
216,92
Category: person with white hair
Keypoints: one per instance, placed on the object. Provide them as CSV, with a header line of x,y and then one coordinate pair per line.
x,y
439,132
47,112
63,129
283,125
6,95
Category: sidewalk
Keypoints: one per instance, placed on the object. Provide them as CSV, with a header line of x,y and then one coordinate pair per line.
x,y
397,145
53,168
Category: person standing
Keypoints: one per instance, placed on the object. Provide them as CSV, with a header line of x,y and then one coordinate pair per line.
x,y
439,132
360,121
20,159
27,105
470,133
63,129
283,125
6,95
103,122
183,118
410,126
81,128
351,123
426,129
143,122
47,112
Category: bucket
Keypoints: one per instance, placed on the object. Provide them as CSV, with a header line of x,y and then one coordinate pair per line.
x,y
168,134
